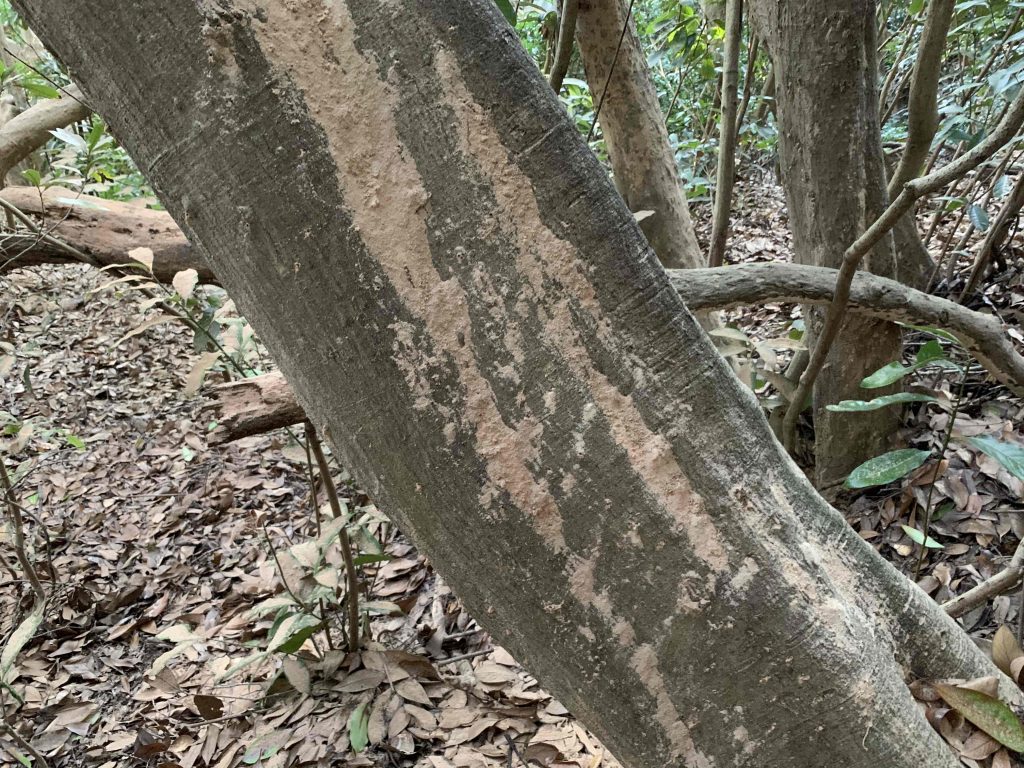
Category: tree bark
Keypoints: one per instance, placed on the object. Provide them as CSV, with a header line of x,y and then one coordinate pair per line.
x,y
831,156
395,198
265,403
642,160
563,48
728,130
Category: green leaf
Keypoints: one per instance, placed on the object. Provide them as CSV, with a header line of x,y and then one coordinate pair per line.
x,y
886,468
920,538
916,6
1010,455
991,715
358,728
295,642
508,11
857,406
40,89
930,350
886,375
978,217
895,371
75,442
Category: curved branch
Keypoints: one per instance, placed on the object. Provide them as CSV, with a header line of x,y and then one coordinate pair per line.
x,y
911,191
31,129
982,335
563,50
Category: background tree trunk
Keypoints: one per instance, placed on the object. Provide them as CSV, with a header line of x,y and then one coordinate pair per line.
x,y
395,198
830,150
633,125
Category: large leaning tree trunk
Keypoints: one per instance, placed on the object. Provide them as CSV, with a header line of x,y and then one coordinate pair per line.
x,y
634,130
832,169
395,198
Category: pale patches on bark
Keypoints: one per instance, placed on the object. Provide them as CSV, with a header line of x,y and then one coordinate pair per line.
x,y
388,203
645,664
545,259
582,578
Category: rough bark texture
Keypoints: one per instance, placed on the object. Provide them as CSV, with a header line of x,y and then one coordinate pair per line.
x,y
394,197
265,403
103,229
727,132
634,130
831,156
252,407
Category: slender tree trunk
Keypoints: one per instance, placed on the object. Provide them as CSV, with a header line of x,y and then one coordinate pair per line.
x,y
727,132
634,130
832,169
563,48
394,197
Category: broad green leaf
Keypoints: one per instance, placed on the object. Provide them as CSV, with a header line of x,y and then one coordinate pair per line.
x,y
916,6
70,138
920,538
295,642
271,604
978,217
1010,455
991,715
358,727
856,406
930,350
886,468
75,442
42,90
508,11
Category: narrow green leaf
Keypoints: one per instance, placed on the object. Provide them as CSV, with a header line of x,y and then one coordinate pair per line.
x,y
1010,455
920,538
886,468
886,375
942,334
358,728
856,406
991,715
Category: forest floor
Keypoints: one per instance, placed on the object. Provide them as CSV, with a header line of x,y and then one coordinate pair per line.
x,y
152,541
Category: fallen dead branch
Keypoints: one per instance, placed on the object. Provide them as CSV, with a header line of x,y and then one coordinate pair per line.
x,y
1002,582
105,230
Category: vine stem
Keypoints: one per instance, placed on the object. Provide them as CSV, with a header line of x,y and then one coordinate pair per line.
x,y
935,476
346,545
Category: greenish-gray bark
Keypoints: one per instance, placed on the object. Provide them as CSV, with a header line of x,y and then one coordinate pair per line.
x,y
396,200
